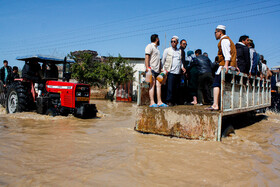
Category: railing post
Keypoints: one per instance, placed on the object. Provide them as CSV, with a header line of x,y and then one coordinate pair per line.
x,y
240,91
232,91
139,89
254,90
259,83
222,89
269,92
266,93
263,92
219,133
247,87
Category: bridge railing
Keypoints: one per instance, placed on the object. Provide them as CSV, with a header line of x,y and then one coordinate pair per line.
x,y
240,93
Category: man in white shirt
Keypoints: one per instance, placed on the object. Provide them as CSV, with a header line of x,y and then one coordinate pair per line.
x,y
152,60
266,73
172,63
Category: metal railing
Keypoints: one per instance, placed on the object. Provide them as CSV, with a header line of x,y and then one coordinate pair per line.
x,y
240,93
139,85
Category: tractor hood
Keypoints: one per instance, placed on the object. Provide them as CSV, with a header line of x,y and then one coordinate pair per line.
x,y
62,85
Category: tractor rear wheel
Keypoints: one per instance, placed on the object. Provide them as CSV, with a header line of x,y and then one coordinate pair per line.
x,y
2,94
19,97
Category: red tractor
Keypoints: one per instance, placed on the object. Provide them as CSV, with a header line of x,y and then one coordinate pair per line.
x,y
40,90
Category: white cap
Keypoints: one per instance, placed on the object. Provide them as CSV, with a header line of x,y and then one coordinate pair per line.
x,y
222,27
176,37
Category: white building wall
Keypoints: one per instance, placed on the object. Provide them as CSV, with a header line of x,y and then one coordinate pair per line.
x,y
139,65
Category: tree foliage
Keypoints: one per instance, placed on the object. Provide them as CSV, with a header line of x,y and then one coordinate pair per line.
x,y
87,68
116,71
113,72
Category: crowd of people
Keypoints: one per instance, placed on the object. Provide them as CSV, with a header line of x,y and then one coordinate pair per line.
x,y
192,75
7,73
31,71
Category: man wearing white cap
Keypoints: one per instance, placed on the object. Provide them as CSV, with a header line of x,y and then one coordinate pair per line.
x,y
172,62
226,58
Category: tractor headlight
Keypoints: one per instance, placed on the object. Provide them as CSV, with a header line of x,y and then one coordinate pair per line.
x,y
79,94
86,94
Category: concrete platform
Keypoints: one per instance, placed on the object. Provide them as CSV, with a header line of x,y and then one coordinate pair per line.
x,y
190,122
239,94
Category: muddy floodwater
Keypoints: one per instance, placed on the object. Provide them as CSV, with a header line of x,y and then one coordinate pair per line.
x,y
37,150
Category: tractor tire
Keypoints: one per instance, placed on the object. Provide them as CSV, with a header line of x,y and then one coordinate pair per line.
x,y
2,94
19,97
51,112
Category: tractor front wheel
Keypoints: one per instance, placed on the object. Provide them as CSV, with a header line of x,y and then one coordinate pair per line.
x,y
51,112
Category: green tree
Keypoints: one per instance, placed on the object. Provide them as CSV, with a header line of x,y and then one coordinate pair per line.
x,y
116,71
113,72
87,68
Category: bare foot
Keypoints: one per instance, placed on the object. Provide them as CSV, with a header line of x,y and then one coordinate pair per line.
x,y
193,103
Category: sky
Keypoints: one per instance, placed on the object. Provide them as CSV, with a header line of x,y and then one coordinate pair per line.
x,y
113,27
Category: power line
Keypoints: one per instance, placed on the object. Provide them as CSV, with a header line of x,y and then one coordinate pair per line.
x,y
147,29
137,34
109,23
183,17
162,20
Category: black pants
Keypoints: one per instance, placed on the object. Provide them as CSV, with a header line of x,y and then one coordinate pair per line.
x,y
205,82
173,84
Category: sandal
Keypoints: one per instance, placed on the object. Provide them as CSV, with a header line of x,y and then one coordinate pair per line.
x,y
163,105
211,108
154,106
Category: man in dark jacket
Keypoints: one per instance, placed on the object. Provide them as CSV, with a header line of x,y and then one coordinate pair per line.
x,y
243,54
15,74
184,91
205,78
31,70
52,71
5,73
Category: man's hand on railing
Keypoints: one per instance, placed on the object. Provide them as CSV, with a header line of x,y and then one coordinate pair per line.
x,y
184,70
226,68
238,71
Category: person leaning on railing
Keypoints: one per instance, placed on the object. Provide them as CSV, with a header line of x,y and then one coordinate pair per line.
x,y
266,72
227,57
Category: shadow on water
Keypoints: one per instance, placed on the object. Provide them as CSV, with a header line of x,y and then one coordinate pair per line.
x,y
242,120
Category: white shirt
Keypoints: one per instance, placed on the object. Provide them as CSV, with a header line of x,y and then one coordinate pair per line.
x,y
226,48
154,53
264,69
225,44
241,43
176,61
251,50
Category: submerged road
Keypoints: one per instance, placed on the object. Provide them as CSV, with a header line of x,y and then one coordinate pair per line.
x,y
37,150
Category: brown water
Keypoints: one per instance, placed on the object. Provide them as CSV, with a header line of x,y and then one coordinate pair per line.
x,y
37,150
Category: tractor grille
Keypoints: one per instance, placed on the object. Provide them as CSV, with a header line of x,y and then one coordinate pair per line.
x,y
82,95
